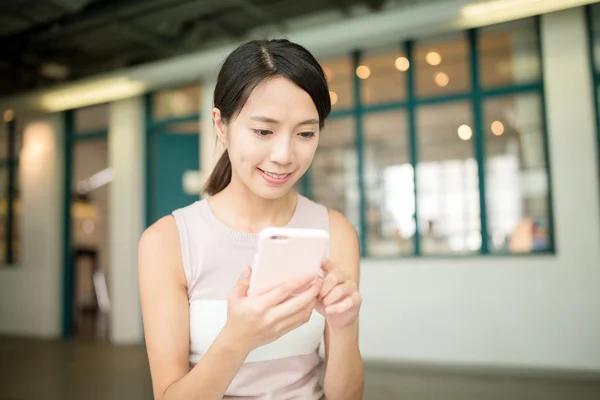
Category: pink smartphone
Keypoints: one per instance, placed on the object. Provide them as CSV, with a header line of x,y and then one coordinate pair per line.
x,y
286,253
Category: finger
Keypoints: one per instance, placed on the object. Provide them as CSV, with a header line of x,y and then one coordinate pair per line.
x,y
296,303
339,292
349,303
241,286
299,318
332,279
284,290
327,265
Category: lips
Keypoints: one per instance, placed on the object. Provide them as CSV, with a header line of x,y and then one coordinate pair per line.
x,y
274,178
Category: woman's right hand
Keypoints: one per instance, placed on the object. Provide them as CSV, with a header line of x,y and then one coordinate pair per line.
x,y
256,321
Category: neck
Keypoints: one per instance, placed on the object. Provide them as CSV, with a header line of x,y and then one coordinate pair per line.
x,y
242,210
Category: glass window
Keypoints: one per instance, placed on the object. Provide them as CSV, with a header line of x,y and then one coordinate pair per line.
x,y
509,53
383,76
595,30
333,172
442,66
179,102
3,142
388,185
516,174
3,212
91,119
4,242
447,183
16,232
340,78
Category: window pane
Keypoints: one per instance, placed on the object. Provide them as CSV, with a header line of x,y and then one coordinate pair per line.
x,y
509,53
384,76
3,212
91,119
388,184
340,79
442,66
447,184
16,239
4,171
516,174
595,27
178,102
3,142
333,172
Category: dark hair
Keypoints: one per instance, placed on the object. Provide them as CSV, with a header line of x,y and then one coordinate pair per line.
x,y
252,63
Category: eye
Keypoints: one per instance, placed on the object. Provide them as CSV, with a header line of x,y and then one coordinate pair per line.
x,y
307,134
262,132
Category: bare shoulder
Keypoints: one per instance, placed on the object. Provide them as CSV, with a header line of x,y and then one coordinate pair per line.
x,y
159,248
345,248
162,232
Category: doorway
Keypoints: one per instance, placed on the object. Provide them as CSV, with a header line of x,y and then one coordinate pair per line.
x,y
174,150
86,303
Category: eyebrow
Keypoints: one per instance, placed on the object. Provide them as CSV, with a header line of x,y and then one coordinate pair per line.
x,y
274,121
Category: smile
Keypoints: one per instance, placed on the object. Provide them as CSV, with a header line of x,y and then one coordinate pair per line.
x,y
276,176
274,179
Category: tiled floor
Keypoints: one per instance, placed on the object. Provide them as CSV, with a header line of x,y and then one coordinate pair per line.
x,y
48,370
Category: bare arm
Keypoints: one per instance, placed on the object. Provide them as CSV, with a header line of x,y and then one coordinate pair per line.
x,y
251,322
344,374
166,324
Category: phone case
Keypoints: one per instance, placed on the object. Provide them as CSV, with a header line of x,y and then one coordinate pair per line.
x,y
286,253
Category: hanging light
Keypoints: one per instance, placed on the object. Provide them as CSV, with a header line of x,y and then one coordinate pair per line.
x,y
497,128
465,132
9,115
441,79
363,72
402,64
433,58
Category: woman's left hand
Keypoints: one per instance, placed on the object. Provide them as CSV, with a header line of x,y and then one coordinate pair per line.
x,y
339,299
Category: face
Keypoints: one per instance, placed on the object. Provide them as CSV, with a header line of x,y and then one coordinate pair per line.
x,y
272,141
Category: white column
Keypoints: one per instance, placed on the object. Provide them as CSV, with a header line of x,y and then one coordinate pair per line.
x,y
570,113
126,217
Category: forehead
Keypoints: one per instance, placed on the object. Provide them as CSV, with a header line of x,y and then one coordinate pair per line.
x,y
282,99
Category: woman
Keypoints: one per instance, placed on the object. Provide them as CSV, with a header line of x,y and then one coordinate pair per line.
x,y
205,338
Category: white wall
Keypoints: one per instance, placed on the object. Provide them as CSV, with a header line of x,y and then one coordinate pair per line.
x,y
510,311
31,292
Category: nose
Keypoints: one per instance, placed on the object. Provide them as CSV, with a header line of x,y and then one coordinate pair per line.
x,y
282,151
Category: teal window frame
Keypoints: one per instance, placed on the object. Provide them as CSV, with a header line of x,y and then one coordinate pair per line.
x,y
11,164
595,71
475,95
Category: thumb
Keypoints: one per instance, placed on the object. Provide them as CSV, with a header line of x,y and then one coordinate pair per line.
x,y
327,265
241,287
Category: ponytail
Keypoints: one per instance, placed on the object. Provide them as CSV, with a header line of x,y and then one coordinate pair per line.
x,y
220,176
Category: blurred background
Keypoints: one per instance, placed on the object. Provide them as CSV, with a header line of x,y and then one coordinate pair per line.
x,y
463,145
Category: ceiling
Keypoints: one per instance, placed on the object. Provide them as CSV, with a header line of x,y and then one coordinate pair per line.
x,y
45,42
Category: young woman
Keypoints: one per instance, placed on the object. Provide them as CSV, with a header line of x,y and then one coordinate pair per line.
x,y
206,339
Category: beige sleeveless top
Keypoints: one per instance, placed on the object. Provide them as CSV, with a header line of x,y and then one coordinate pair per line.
x,y
213,258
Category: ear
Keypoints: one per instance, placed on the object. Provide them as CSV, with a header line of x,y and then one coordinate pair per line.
x,y
220,126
